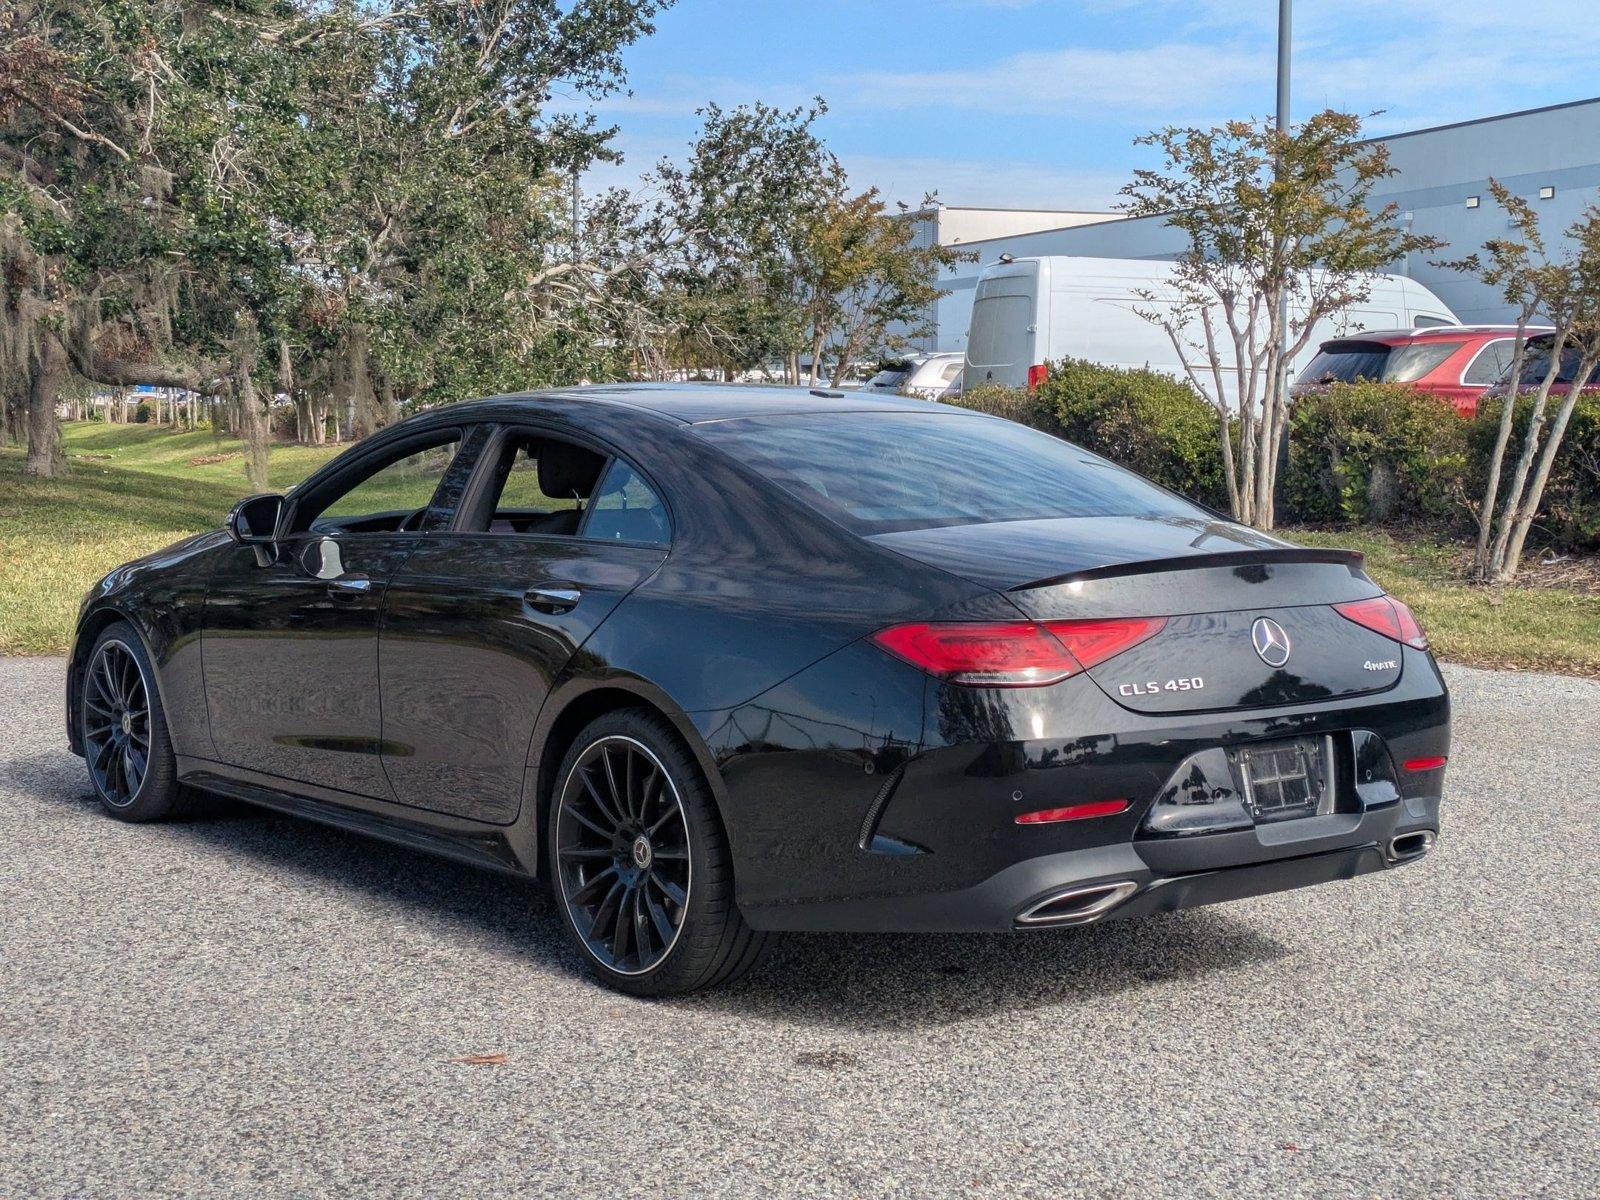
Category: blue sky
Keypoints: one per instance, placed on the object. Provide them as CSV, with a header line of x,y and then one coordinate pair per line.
x,y
1035,103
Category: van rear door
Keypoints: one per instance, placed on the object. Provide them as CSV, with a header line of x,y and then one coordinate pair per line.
x,y
1005,321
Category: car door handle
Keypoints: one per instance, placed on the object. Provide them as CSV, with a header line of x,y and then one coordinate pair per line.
x,y
552,599
349,586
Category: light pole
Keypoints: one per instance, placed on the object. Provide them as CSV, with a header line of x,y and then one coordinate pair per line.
x,y
1285,39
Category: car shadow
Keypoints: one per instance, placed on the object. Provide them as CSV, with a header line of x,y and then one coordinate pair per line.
x,y
859,982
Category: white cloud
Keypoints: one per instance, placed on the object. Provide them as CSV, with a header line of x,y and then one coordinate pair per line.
x,y
1002,183
1155,82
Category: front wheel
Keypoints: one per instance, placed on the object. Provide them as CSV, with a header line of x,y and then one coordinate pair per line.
x,y
640,862
124,730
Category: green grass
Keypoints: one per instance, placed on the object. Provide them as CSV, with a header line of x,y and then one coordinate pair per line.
x,y
132,489
1534,628
136,488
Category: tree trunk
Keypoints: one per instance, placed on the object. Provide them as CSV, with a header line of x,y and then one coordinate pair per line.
x,y
1497,458
254,424
1541,475
362,400
45,456
1530,445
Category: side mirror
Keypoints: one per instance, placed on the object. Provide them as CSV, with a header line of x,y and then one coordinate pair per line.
x,y
254,520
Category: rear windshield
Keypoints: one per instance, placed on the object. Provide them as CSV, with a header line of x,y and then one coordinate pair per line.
x,y
1346,362
890,378
882,472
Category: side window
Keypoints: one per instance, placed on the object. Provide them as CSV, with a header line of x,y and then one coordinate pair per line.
x,y
627,509
538,485
1492,362
390,495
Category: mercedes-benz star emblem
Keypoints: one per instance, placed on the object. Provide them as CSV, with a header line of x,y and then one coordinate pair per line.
x,y
1270,641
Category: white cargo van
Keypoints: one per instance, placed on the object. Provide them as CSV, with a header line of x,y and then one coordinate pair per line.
x,y
1032,311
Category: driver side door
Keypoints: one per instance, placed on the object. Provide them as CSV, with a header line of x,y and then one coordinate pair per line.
x,y
290,640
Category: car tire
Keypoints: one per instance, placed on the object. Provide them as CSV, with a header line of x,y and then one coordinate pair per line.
x,y
123,727
639,862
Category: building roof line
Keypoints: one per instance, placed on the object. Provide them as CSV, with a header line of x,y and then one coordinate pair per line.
x,y
1523,112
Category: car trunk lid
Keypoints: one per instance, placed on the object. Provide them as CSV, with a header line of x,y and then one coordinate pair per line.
x,y
1235,600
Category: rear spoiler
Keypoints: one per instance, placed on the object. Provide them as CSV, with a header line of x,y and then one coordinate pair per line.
x,y
1267,556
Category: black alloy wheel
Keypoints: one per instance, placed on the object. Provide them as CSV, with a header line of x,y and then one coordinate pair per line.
x,y
124,731
640,861
623,847
116,724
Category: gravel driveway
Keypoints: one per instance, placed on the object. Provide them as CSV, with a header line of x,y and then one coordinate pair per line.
x,y
249,1005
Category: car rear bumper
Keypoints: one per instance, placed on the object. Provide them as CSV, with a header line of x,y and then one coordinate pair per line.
x,y
1106,882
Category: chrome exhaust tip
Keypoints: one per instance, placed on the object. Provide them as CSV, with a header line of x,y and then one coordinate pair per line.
x,y
1077,905
1407,846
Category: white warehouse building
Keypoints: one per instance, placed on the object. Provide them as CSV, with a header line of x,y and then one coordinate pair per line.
x,y
1550,156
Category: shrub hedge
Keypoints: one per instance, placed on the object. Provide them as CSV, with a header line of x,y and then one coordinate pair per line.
x,y
1569,514
1146,421
1359,453
1369,452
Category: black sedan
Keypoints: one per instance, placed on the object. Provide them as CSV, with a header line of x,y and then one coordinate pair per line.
x,y
723,661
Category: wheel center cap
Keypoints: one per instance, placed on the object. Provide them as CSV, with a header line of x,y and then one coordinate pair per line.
x,y
127,722
642,853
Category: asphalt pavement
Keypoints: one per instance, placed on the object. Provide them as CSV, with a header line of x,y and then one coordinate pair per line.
x,y
248,1005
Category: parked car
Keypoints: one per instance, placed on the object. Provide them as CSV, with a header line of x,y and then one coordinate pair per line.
x,y
1030,312
718,661
928,376
1536,362
1458,363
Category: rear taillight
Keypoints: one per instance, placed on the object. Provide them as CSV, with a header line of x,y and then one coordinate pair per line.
x,y
1037,374
1013,653
1072,812
1385,615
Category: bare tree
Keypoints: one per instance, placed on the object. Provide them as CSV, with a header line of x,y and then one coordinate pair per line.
x,y
1281,236
1566,291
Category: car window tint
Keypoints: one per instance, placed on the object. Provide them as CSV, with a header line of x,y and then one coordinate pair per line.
x,y
1345,364
398,488
627,509
879,472
1407,364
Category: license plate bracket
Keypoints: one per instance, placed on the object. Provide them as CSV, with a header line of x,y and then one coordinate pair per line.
x,y
1286,780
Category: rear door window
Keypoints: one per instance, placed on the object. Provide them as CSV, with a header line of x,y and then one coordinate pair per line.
x,y
1493,361
627,509
999,331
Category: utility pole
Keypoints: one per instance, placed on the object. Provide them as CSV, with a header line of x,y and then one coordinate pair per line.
x,y
1285,41
577,213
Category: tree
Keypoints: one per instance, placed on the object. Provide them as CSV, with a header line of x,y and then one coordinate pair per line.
x,y
757,182
866,276
1566,290
1281,236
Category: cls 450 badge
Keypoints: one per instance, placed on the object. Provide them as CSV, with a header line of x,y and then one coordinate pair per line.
x,y
1150,687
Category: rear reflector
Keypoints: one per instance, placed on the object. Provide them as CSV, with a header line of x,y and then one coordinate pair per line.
x,y
1432,763
1013,653
1037,374
1385,615
1073,812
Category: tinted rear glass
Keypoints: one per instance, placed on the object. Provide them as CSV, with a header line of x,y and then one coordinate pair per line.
x,y
1407,364
880,472
1347,363
890,379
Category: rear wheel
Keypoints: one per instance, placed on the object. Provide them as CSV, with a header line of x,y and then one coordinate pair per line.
x,y
640,862
131,764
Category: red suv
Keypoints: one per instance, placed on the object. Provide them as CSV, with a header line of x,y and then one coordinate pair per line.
x,y
1456,362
